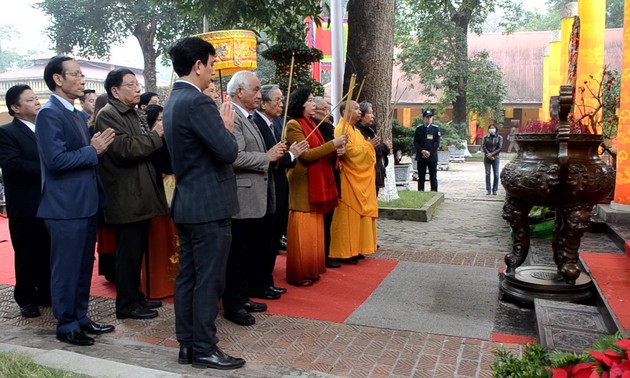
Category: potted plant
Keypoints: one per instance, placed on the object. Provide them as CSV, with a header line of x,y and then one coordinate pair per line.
x,y
402,143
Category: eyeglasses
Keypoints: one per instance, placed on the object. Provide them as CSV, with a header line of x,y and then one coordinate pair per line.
x,y
75,75
281,99
132,85
324,108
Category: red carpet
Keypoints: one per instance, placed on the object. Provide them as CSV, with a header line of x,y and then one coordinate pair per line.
x,y
612,274
335,296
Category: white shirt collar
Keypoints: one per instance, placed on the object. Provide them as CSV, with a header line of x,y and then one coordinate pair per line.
x,y
245,113
27,123
264,117
189,83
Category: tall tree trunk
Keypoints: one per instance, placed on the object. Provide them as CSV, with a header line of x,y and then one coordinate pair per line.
x,y
370,55
146,39
461,18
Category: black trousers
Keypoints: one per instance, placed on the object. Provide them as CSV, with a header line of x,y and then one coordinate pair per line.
x,y
422,171
249,238
132,243
203,255
31,244
266,251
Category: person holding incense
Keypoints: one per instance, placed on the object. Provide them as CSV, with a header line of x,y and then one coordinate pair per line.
x,y
312,191
367,127
353,229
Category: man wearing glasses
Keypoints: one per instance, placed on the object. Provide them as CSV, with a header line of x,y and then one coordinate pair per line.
x,y
71,198
134,193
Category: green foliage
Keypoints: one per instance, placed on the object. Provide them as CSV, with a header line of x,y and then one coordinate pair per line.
x,y
408,200
21,365
92,27
486,89
402,141
549,19
540,214
531,365
280,21
534,360
432,36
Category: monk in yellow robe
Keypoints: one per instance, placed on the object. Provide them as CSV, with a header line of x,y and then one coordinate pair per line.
x,y
353,229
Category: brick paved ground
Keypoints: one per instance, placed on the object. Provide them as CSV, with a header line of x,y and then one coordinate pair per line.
x,y
466,230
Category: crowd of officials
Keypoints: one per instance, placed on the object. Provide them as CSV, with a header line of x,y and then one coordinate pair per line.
x,y
245,188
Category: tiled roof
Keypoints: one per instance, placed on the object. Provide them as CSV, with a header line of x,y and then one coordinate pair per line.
x,y
520,56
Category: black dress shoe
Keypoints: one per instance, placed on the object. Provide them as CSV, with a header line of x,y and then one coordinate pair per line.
x,y
137,313
332,264
240,317
351,261
359,256
151,304
76,337
185,356
217,360
30,311
97,329
279,290
267,294
251,306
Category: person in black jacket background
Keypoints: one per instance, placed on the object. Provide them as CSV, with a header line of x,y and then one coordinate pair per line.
x,y
492,144
368,128
427,141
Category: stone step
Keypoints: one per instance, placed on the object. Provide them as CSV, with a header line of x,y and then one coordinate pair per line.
x,y
570,327
620,234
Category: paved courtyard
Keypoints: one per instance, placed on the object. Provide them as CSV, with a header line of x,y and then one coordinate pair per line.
x,y
467,230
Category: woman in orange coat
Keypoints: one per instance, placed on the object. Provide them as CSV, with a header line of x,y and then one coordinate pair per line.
x,y
312,191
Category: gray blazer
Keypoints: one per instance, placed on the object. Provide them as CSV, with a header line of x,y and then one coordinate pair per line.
x,y
254,188
202,152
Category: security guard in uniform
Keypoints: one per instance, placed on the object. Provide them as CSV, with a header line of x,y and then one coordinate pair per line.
x,y
427,141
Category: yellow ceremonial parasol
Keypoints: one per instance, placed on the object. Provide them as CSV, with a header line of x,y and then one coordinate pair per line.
x,y
236,51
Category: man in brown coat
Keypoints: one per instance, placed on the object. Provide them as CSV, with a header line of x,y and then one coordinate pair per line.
x,y
134,193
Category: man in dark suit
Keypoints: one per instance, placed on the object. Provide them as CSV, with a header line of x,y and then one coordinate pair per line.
x,y
251,227
426,140
19,161
262,284
202,150
71,198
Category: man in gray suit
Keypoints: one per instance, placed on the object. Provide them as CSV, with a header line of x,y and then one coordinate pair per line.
x,y
256,198
202,150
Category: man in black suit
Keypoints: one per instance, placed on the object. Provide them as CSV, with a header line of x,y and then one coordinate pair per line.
x,y
19,161
202,150
71,198
262,284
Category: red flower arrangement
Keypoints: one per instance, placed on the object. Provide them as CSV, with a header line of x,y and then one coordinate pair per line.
x,y
609,364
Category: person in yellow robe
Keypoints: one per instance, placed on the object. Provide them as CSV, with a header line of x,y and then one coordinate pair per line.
x,y
353,229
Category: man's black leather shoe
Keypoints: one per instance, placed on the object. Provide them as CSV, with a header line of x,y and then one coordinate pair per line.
x,y
137,313
151,304
240,317
76,337
332,264
279,290
30,311
267,294
351,261
218,360
251,306
185,356
97,329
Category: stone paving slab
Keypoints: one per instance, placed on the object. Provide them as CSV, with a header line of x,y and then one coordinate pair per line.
x,y
433,298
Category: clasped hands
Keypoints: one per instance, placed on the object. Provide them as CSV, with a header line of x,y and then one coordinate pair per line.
x,y
102,140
